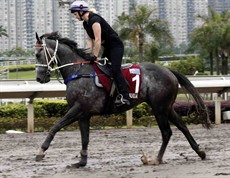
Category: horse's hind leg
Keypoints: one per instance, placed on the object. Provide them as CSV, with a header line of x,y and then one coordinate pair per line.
x,y
177,121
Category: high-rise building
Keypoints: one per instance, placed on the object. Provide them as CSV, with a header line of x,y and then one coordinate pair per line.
x,y
28,23
181,16
121,7
162,9
195,8
152,4
17,17
220,5
110,9
148,3
43,16
22,18
8,19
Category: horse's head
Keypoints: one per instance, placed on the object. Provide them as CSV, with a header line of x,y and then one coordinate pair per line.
x,y
53,50
46,57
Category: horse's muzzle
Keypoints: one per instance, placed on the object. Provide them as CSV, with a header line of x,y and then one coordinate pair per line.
x,y
44,79
42,75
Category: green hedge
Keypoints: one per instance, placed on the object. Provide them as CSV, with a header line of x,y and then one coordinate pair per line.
x,y
27,67
47,112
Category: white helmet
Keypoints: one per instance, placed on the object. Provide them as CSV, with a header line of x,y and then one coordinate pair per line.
x,y
79,5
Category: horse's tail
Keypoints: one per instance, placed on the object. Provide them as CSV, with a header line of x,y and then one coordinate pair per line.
x,y
202,110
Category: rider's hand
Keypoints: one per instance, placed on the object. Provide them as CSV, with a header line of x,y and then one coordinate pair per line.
x,y
92,59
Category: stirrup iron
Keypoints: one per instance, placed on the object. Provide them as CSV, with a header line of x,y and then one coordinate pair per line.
x,y
120,100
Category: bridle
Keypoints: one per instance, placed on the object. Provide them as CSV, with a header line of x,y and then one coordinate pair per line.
x,y
54,59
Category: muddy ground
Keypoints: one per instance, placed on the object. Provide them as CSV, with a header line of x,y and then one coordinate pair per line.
x,y
115,153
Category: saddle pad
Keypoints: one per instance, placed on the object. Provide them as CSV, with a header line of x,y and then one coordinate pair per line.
x,y
132,74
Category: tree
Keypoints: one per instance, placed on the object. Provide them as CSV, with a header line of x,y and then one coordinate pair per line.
x,y
213,37
188,66
140,26
201,39
3,31
224,48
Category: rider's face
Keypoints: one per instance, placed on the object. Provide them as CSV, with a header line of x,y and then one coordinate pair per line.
x,y
76,14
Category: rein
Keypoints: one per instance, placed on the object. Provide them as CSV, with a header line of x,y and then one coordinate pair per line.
x,y
54,59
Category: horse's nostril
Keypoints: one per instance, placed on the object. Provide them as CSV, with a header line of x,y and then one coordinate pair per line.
x,y
38,79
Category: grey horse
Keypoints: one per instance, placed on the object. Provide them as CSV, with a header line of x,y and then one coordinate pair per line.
x,y
159,89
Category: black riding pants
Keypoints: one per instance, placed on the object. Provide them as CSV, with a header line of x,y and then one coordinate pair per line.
x,y
114,52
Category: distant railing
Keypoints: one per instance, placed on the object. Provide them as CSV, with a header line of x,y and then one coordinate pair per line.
x,y
17,61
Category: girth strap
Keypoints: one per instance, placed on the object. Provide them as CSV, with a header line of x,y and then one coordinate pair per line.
x,y
77,76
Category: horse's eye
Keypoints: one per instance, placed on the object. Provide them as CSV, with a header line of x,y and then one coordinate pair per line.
x,y
38,55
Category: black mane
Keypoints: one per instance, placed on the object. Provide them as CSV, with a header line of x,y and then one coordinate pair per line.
x,y
70,43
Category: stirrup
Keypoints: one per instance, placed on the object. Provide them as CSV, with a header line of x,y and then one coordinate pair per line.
x,y
120,100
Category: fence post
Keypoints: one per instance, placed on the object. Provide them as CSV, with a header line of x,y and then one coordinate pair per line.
x,y
129,118
217,109
30,116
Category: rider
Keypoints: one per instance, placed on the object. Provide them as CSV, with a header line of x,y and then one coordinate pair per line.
x,y
100,33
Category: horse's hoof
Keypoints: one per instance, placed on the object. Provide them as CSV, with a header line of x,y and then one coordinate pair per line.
x,y
149,161
144,160
202,155
39,157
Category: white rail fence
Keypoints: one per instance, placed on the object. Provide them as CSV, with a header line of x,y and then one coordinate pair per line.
x,y
30,89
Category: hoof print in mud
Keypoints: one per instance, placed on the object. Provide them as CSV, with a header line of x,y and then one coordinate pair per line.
x,y
74,166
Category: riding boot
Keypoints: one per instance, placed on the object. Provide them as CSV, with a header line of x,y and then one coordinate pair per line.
x,y
123,89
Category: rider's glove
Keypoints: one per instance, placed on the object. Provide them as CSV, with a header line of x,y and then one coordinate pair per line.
x,y
92,59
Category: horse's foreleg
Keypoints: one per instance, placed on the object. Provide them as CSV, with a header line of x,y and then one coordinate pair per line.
x,y
69,118
84,128
166,133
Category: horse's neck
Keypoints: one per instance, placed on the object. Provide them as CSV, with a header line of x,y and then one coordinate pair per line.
x,y
71,65
69,61
67,56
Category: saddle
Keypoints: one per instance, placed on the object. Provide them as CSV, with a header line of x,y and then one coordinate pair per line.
x,y
131,72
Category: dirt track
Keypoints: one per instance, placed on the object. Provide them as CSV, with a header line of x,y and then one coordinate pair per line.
x,y
116,153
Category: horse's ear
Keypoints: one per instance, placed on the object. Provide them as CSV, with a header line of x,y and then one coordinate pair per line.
x,y
38,38
56,35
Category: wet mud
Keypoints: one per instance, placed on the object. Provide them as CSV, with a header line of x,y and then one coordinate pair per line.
x,y
116,153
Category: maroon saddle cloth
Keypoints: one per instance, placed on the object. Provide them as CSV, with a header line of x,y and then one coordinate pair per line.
x,y
132,74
